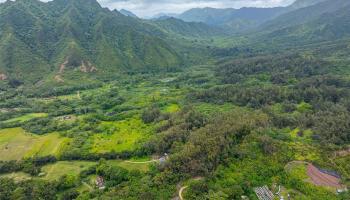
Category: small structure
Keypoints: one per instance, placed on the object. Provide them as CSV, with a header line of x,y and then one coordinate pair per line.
x,y
100,183
263,193
342,190
42,174
67,117
164,158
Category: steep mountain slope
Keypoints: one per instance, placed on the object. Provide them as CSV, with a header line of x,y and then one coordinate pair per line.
x,y
304,3
235,19
305,14
240,19
41,38
127,13
328,20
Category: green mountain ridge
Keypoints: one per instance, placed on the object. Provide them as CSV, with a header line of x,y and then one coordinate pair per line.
x,y
189,29
328,20
243,19
62,30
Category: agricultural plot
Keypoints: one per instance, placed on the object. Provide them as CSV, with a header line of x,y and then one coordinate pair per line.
x,y
16,144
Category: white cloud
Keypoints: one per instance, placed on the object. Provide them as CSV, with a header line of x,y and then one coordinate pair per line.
x,y
151,7
146,8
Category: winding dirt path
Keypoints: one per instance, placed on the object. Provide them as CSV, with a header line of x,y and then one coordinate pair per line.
x,y
141,162
186,186
181,191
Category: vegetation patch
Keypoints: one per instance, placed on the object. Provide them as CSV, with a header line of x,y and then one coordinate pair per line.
x,y
57,170
125,135
16,144
26,117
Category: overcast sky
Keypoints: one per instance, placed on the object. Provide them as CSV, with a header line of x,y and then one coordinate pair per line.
x,y
147,8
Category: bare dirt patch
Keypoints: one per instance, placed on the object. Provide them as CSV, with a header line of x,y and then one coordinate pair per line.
x,y
342,153
321,178
3,77
59,79
87,67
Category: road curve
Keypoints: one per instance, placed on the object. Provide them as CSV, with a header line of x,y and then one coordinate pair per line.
x,y
181,191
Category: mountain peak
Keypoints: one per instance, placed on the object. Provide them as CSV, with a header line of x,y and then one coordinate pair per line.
x,y
127,13
305,3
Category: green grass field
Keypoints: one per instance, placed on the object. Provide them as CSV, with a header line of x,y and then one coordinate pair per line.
x,y
16,144
143,167
126,136
56,170
26,117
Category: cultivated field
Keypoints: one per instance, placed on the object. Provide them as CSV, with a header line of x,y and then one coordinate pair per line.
x,y
16,144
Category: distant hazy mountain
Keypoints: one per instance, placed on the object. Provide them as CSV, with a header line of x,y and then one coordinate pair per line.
x,y
127,13
234,19
304,3
187,29
240,19
39,38
164,15
327,20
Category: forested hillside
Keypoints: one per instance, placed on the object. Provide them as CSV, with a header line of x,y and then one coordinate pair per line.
x,y
243,19
99,104
60,35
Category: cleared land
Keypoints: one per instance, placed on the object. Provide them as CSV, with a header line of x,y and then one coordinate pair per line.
x,y
56,170
322,179
16,144
125,137
26,117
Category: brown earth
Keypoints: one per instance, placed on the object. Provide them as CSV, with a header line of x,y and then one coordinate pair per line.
x,y
59,79
320,178
342,153
3,77
63,66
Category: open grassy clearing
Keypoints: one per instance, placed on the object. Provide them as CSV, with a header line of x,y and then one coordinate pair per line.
x,y
143,167
126,135
17,176
56,170
26,117
16,144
